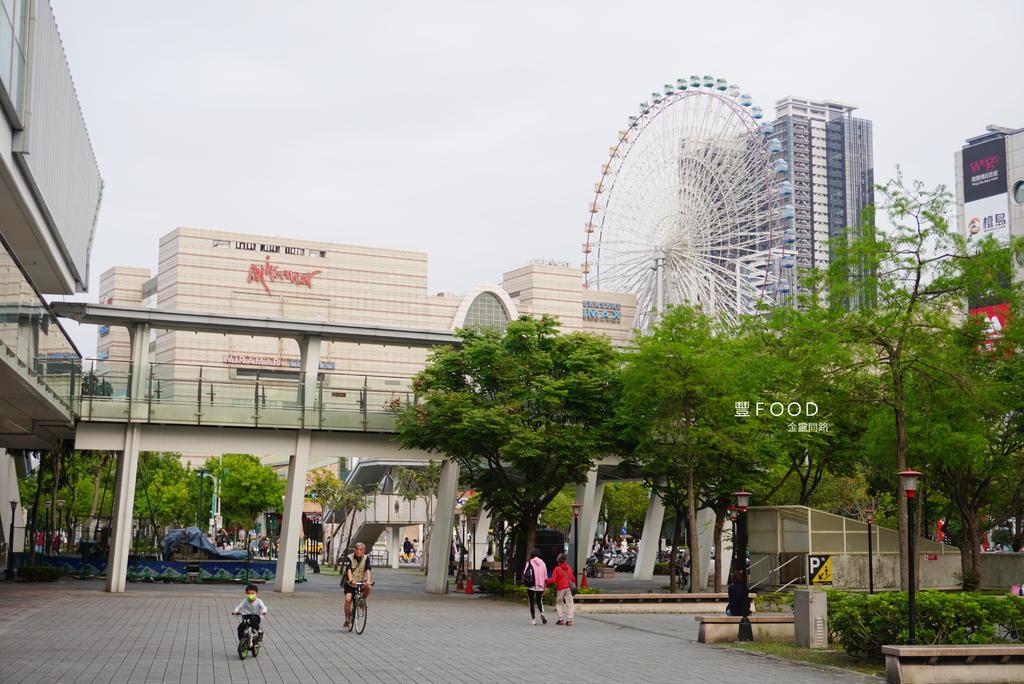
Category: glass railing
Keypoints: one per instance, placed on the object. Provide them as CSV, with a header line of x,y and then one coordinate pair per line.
x,y
218,395
31,337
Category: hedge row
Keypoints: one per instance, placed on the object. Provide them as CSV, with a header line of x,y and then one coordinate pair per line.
x,y
39,573
512,592
863,623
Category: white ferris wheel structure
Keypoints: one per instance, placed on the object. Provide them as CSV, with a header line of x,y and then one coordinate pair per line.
x,y
690,208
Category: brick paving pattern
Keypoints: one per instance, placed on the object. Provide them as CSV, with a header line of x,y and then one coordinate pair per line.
x,y
72,632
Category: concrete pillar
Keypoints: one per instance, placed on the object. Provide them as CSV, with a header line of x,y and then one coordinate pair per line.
x,y
479,546
124,504
441,530
128,463
295,492
649,542
309,355
394,545
291,523
590,495
705,540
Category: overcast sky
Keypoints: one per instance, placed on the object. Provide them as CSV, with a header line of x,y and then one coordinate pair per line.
x,y
475,131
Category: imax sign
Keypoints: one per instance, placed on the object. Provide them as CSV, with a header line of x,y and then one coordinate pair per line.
x,y
602,310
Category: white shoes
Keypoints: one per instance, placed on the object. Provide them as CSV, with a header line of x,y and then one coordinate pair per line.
x,y
533,622
544,618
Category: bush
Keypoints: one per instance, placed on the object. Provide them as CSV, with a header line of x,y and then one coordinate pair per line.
x,y
863,623
39,573
773,602
511,592
661,568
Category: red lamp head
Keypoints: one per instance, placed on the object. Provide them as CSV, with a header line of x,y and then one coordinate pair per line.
x,y
576,509
733,512
743,498
869,514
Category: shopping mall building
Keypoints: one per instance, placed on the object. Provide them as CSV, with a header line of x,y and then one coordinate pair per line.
x,y
249,275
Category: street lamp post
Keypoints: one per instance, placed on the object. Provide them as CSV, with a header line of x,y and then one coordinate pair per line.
x,y
474,519
746,632
576,506
908,483
10,544
869,514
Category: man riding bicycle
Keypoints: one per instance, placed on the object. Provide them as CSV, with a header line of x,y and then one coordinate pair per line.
x,y
357,569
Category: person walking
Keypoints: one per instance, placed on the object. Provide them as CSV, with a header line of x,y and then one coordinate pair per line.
x,y
535,578
562,578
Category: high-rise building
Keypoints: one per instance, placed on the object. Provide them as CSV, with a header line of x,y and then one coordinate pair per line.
x,y
990,202
831,167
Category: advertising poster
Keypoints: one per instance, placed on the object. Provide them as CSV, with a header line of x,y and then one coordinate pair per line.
x,y
985,195
997,317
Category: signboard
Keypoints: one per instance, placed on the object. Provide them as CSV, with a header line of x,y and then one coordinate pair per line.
x,y
985,204
820,569
996,317
932,556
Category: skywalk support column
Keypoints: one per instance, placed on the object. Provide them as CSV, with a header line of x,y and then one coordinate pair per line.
x,y
291,524
649,542
128,465
394,545
480,532
441,530
590,495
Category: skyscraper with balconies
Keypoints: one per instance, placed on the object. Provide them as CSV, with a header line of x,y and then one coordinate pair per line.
x,y
831,167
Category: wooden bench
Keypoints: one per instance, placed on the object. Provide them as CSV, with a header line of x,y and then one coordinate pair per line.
x,y
717,629
651,603
954,664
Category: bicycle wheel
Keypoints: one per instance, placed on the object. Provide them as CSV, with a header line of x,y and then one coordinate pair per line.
x,y
243,647
255,648
359,619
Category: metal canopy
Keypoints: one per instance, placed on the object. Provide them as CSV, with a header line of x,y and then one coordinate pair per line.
x,y
230,324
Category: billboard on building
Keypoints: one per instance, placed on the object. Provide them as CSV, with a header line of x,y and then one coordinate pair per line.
x,y
985,200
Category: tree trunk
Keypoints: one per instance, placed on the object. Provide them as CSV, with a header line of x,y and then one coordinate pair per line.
x,y
691,505
96,490
35,516
901,464
54,514
673,559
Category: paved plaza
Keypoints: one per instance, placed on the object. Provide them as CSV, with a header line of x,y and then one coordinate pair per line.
x,y
183,634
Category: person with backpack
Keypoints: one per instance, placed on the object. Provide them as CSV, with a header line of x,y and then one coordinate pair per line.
x,y
535,578
565,583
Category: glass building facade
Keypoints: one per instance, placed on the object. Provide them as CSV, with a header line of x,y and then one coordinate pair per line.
x,y
831,167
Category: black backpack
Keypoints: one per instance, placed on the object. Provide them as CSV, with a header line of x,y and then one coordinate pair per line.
x,y
528,578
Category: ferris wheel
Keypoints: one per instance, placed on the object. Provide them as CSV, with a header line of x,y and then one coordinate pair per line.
x,y
690,206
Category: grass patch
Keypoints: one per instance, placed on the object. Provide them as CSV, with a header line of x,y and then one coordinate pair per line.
x,y
830,657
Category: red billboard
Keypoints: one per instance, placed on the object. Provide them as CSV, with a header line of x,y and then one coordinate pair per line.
x,y
996,316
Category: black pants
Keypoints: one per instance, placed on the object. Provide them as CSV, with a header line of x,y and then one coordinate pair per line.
x,y
255,620
535,596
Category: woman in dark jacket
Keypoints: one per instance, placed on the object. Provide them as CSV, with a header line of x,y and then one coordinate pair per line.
x,y
737,597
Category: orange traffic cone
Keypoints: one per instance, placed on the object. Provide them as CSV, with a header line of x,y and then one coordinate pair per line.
x,y
583,585
469,583
458,580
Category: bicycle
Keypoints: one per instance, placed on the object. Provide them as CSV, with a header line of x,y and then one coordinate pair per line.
x,y
250,641
357,620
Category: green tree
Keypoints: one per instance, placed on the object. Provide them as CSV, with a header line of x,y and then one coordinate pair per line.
x,y
523,411
677,421
247,487
625,504
423,483
883,320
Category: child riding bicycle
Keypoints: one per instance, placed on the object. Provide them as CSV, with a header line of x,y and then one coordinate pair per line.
x,y
251,607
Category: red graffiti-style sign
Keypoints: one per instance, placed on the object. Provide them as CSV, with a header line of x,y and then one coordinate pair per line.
x,y
264,273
